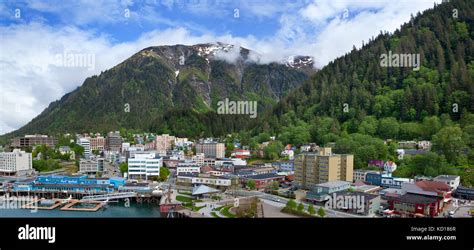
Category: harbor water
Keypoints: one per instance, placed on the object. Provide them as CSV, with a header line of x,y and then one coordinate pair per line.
x,y
112,210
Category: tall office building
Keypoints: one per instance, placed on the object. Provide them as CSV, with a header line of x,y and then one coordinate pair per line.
x,y
164,143
322,166
16,163
211,149
144,166
32,140
98,143
114,142
86,144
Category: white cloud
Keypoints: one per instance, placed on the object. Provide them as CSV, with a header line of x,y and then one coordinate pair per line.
x,y
31,78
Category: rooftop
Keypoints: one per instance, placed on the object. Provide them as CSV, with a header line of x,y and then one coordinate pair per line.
x,y
136,185
434,186
365,195
446,177
332,184
188,174
263,176
414,199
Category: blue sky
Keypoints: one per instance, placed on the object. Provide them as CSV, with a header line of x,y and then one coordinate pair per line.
x,y
33,33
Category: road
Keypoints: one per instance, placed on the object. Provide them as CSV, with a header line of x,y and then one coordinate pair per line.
x,y
461,209
111,170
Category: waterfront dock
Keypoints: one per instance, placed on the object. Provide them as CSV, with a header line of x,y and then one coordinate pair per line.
x,y
72,203
35,204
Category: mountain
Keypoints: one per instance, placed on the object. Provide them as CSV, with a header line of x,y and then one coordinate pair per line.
x,y
359,86
362,105
163,84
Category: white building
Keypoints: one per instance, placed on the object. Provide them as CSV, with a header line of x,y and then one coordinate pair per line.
x,y
181,142
425,145
360,174
231,161
125,146
198,159
144,166
16,163
86,144
211,181
207,180
289,153
135,149
67,150
452,180
177,155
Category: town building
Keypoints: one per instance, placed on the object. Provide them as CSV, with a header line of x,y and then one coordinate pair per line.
x,y
97,143
361,174
178,155
413,205
464,193
86,144
198,159
355,202
262,180
164,143
210,161
170,163
140,187
230,162
188,169
63,150
125,147
144,166
313,168
362,187
70,184
91,166
288,153
439,190
181,142
211,149
207,179
241,153
284,166
385,180
29,141
321,192
16,163
452,180
114,141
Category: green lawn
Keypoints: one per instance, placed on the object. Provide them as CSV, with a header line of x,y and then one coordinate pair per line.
x,y
182,198
225,211
195,209
214,215
218,208
185,193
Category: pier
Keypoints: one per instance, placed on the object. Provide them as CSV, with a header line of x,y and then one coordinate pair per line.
x,y
72,203
35,204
